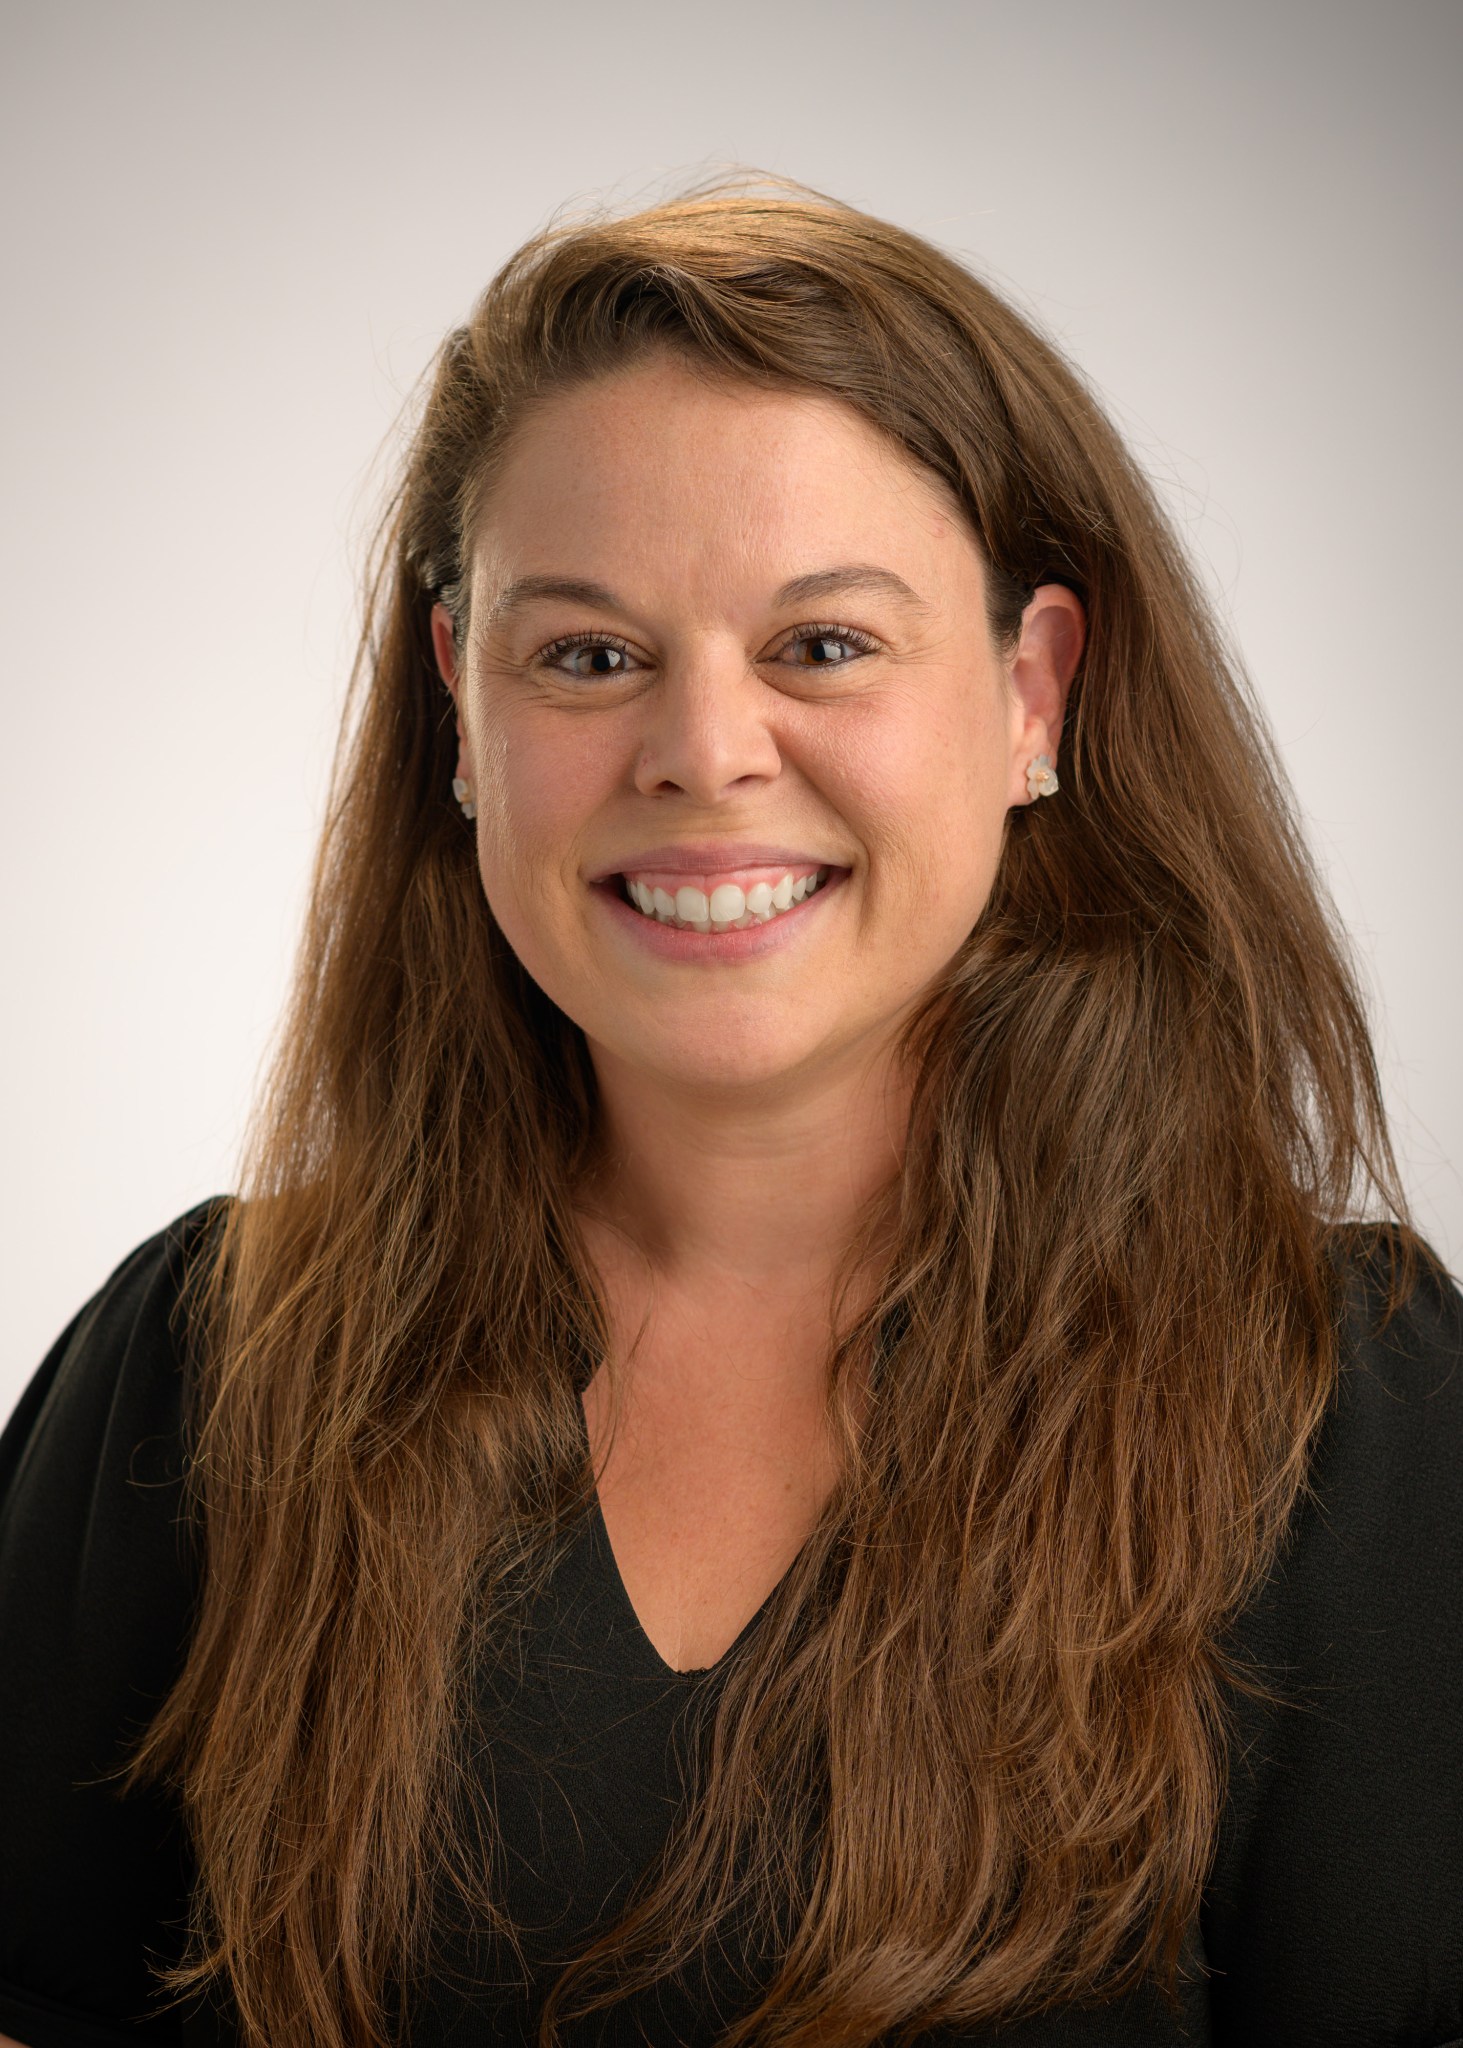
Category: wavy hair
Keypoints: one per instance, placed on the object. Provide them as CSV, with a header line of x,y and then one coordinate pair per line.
x,y
971,1761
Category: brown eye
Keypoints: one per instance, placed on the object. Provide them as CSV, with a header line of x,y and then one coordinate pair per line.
x,y
588,655
828,646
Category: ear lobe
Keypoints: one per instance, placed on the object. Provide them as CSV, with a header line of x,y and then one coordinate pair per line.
x,y
1053,634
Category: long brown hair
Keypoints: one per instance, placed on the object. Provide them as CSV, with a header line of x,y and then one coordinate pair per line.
x,y
971,1761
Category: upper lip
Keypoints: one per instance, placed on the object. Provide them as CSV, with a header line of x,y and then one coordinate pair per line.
x,y
709,857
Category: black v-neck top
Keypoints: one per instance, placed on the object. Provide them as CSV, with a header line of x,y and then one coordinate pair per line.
x,y
1334,1911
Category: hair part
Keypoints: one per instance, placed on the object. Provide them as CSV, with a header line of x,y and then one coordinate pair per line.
x,y
1105,1329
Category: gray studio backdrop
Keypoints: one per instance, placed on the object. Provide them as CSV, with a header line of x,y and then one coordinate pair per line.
x,y
234,234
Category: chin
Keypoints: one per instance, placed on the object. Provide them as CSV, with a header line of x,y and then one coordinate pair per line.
x,y
711,1060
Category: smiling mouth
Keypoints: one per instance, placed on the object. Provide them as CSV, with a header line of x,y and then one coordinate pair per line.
x,y
725,908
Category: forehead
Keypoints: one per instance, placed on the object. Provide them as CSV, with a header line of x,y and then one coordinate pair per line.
x,y
713,480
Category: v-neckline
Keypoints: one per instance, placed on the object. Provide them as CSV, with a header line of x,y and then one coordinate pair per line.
x,y
620,1592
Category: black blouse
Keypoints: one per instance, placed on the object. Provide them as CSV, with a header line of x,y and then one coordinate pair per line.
x,y
1334,1911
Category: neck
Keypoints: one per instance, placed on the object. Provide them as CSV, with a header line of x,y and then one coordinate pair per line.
x,y
734,1191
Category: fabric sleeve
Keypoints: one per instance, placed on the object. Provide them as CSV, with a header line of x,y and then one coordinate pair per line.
x,y
1335,1911
97,1580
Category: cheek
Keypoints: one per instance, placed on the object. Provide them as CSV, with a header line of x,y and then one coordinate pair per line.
x,y
933,799
535,793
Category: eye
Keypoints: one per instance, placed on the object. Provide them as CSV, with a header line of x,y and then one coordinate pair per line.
x,y
828,646
588,656
607,656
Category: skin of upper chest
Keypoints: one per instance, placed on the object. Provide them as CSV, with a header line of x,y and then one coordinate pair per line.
x,y
710,1481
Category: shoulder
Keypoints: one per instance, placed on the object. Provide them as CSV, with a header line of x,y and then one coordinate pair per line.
x,y
1337,1892
1378,1539
97,1578
1402,1328
119,1363
1384,1471
1374,1551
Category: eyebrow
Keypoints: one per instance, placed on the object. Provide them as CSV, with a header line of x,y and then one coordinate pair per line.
x,y
819,583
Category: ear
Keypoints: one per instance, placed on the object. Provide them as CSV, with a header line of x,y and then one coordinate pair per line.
x,y
1053,634
444,646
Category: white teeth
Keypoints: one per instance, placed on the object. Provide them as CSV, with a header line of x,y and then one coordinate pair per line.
x,y
727,903
727,908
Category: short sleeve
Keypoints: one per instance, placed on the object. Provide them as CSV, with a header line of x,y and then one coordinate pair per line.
x,y
97,1581
1335,1911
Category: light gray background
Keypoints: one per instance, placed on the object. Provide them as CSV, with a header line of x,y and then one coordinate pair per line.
x,y
235,232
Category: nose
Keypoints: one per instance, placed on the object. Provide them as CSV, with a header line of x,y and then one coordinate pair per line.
x,y
706,731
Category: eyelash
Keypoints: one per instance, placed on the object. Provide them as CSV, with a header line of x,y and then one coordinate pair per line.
x,y
864,642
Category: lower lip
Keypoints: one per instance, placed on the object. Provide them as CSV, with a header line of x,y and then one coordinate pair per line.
x,y
669,942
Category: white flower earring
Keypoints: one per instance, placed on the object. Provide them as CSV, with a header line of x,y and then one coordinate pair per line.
x,y
1041,777
460,791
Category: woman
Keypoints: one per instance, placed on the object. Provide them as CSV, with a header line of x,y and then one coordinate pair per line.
x,y
790,1440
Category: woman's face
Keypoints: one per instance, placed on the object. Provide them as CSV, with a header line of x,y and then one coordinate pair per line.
x,y
721,640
